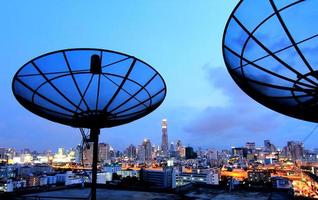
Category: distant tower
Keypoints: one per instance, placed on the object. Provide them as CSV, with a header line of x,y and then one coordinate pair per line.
x,y
164,143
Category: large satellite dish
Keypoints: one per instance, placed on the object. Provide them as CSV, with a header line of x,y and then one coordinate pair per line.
x,y
89,88
270,50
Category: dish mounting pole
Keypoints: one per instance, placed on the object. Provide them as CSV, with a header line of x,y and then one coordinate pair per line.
x,y
94,135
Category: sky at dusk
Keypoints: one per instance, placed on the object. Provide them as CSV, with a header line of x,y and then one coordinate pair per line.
x,y
181,39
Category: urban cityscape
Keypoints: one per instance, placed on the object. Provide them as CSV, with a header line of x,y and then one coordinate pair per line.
x,y
170,100
165,166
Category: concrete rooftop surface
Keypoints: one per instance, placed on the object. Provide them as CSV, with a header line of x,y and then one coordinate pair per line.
x,y
200,194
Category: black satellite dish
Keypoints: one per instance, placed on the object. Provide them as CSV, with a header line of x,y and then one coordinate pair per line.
x,y
89,88
270,50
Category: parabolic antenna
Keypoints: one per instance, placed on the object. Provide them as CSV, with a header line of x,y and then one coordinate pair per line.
x,y
89,88
270,48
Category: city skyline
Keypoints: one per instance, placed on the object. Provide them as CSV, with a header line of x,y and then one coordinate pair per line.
x,y
249,144
204,106
168,99
146,151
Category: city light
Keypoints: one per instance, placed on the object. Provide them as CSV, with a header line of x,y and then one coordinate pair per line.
x,y
291,167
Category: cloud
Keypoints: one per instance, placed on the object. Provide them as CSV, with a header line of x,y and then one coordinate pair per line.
x,y
242,114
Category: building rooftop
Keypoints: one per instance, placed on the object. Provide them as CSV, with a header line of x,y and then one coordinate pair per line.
x,y
198,193
101,194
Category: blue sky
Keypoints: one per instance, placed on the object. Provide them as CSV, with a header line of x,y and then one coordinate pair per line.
x,y
181,39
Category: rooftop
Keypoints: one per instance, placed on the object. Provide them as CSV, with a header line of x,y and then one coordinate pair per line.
x,y
200,193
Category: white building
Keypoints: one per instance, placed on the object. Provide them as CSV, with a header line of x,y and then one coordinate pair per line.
x,y
72,179
7,187
43,180
126,173
51,179
103,177
212,178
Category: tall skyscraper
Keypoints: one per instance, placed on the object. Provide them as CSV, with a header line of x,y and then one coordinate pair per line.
x,y
295,150
141,153
172,146
88,154
178,144
148,149
79,154
103,152
268,146
164,142
3,154
131,151
212,154
189,153
145,151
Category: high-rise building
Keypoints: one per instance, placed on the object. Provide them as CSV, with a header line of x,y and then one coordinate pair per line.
x,y
172,151
25,151
88,154
79,154
180,149
103,152
144,151
269,147
240,151
294,150
141,153
182,152
10,153
112,153
157,151
61,156
178,144
164,141
71,155
212,154
119,154
131,151
148,149
250,145
172,146
61,151
189,153
3,155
